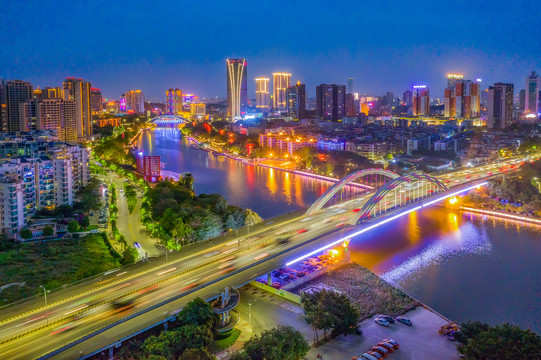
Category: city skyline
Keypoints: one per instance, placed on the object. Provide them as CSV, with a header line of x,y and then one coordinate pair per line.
x,y
379,60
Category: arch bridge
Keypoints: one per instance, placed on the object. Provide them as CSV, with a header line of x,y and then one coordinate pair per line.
x,y
169,119
391,191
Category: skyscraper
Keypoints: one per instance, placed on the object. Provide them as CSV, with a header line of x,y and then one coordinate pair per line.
x,y
135,101
262,96
53,114
522,100
17,92
237,88
296,100
533,92
280,84
463,99
421,100
449,103
173,101
452,79
500,106
350,85
408,98
350,105
96,101
330,101
78,90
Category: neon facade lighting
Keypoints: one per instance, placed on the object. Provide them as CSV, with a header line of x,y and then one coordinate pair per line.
x,y
522,218
334,243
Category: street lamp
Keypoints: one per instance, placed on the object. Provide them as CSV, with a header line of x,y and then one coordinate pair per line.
x,y
45,294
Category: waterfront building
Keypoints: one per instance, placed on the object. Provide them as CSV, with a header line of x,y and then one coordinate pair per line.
x,y
421,100
149,167
135,101
237,88
78,90
500,106
285,143
96,101
262,95
198,111
330,101
15,94
331,144
532,103
173,101
280,84
296,100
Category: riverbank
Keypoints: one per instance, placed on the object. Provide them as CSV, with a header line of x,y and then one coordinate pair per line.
x,y
503,215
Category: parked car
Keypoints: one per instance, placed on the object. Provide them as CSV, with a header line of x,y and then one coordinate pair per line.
x,y
390,319
381,321
358,330
404,320
386,345
393,342
367,356
380,350
375,354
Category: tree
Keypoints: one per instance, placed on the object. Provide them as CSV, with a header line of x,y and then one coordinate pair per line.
x,y
197,354
251,218
481,341
84,222
26,234
187,180
279,343
73,226
129,255
197,312
48,231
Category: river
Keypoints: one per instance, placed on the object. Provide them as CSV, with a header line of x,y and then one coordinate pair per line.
x,y
465,266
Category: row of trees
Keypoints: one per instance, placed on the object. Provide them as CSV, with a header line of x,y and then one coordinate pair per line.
x,y
176,216
279,343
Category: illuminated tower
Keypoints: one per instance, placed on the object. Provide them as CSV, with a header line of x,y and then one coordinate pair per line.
x,y
173,101
280,83
296,100
237,89
262,94
452,79
421,100
532,100
135,101
78,90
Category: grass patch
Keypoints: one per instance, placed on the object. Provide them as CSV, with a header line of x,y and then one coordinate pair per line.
x,y
229,340
370,293
53,264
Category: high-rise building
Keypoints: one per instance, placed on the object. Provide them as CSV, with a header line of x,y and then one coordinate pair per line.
x,y
350,89
280,84
500,106
149,167
296,100
449,103
198,111
463,99
237,88
96,101
407,98
421,100
53,114
262,96
173,101
532,101
17,92
522,100
330,101
52,92
350,105
135,101
78,90
452,79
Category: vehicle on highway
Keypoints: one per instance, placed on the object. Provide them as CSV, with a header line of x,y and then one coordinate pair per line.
x,y
300,231
390,319
282,240
393,342
404,320
125,302
381,322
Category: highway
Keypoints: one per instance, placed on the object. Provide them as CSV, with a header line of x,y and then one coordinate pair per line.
x,y
203,267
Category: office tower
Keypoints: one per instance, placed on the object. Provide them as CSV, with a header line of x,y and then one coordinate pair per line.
x,y
500,106
452,79
296,100
522,100
262,96
96,101
350,105
78,90
408,98
280,84
350,89
237,88
421,100
173,101
17,92
532,98
135,101
330,101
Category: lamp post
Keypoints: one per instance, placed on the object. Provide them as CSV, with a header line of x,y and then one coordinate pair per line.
x,y
45,294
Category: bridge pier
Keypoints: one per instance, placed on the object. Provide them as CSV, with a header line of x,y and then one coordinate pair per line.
x,y
269,279
165,325
111,353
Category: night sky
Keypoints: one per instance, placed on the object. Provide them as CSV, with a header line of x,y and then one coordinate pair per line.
x,y
154,45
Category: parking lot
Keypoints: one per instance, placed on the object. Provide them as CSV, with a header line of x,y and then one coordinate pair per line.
x,y
418,342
